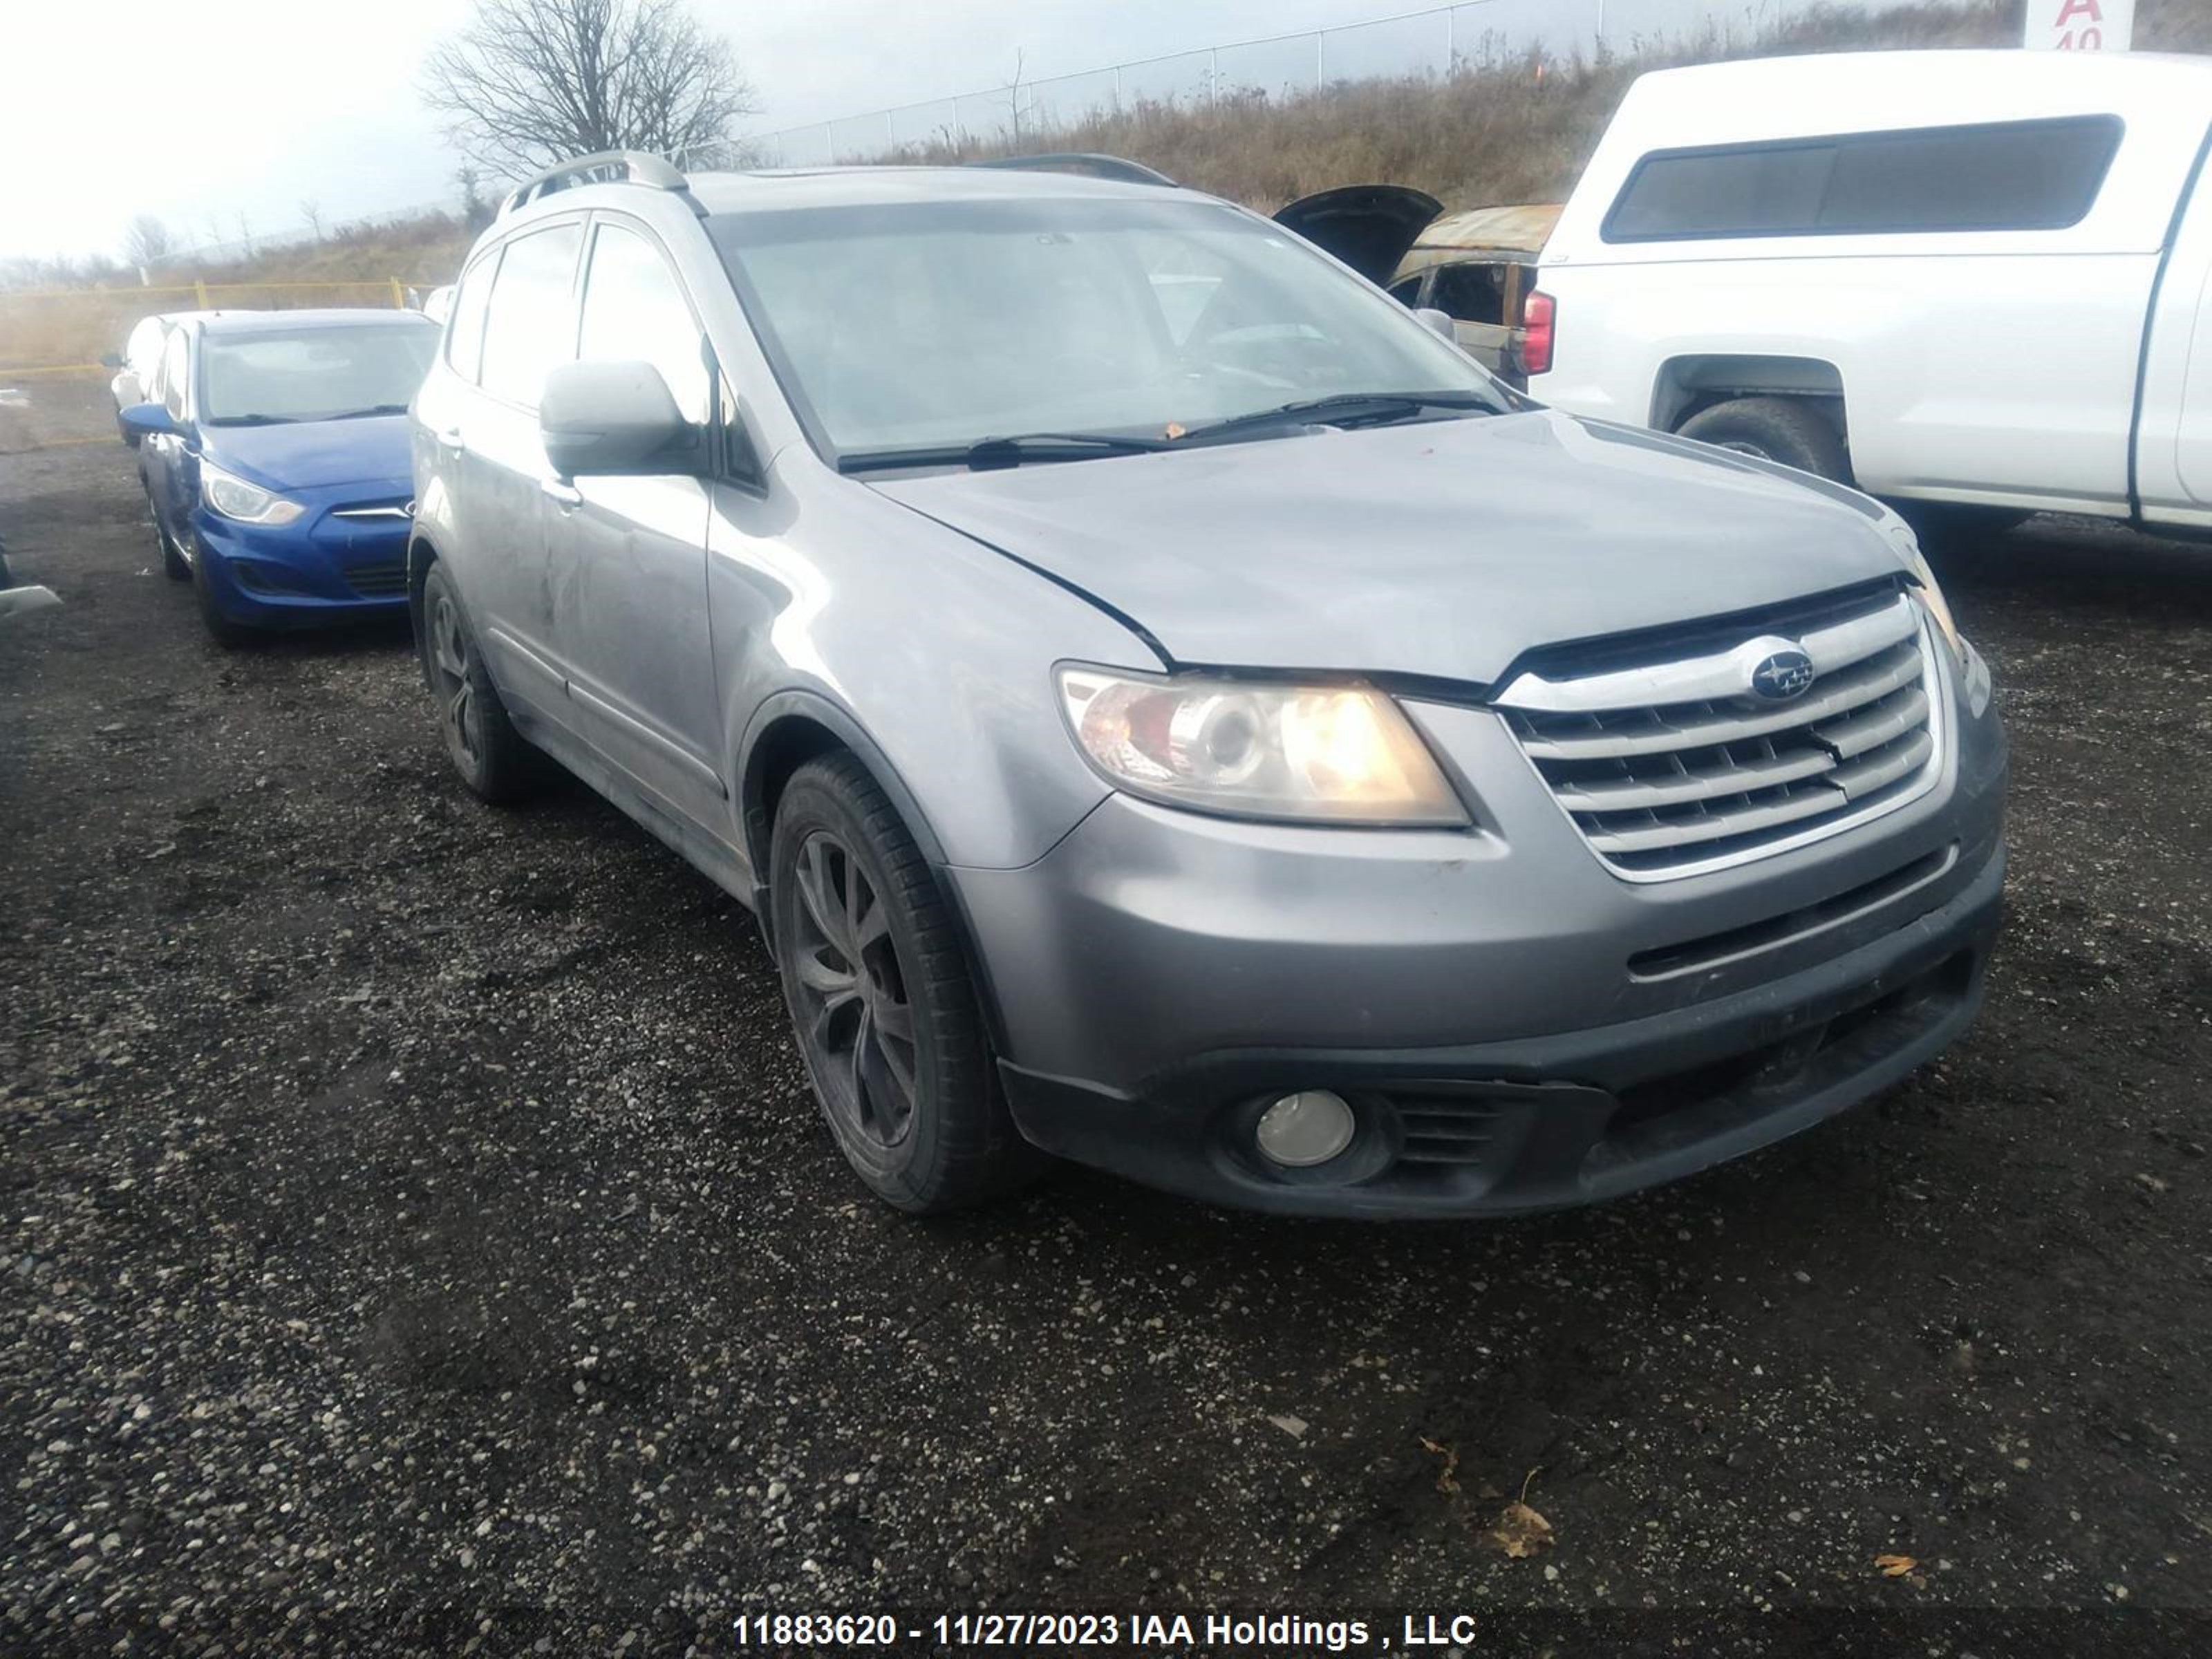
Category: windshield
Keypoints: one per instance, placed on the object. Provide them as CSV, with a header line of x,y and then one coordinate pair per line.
x,y
921,325
313,373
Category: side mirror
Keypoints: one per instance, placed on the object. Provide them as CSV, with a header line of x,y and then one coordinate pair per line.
x,y
110,360
613,417
1438,322
149,421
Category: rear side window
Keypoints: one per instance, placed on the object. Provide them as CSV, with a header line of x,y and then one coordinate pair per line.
x,y
531,327
465,327
2013,176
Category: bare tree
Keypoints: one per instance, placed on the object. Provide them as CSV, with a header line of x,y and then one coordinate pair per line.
x,y
475,212
528,82
246,232
312,211
146,242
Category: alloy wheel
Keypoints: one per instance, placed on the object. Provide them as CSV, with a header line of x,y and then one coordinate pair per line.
x,y
457,695
853,1014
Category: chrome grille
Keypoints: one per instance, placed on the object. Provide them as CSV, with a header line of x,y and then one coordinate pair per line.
x,y
1671,765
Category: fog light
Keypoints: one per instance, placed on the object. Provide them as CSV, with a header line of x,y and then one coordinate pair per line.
x,y
1303,1129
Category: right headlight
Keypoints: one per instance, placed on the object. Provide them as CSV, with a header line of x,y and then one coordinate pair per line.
x,y
1931,596
249,503
1334,753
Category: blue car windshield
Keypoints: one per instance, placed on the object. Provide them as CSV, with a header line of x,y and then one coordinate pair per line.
x,y
313,373
913,325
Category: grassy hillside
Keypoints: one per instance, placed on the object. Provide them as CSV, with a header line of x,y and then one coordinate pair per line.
x,y
1519,131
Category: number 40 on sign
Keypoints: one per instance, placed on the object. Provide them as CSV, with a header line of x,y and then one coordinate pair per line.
x,y
2081,25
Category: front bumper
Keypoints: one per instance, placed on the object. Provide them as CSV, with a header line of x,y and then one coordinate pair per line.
x,y
1499,1128
321,570
1518,1029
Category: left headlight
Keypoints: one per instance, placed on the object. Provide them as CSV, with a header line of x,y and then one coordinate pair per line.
x,y
249,503
1338,754
1931,595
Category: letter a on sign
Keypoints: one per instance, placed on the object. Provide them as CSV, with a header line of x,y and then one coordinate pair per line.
x,y
2080,25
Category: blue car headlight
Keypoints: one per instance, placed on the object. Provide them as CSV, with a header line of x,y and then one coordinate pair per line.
x,y
249,503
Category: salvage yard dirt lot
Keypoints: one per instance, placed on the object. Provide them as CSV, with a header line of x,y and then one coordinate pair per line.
x,y
415,1215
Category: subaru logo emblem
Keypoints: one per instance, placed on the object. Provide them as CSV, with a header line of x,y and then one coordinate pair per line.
x,y
1784,675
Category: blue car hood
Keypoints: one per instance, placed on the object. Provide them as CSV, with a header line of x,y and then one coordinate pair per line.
x,y
1444,549
313,455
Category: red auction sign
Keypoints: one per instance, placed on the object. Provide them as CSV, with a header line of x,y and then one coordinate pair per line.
x,y
2080,25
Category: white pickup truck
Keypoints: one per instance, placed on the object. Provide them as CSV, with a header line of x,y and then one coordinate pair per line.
x,y
1960,280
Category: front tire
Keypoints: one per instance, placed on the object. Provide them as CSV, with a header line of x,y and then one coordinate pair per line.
x,y
494,759
1789,430
174,565
886,1016
227,633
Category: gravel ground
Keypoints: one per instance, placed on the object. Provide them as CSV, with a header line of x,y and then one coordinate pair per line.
x,y
418,1232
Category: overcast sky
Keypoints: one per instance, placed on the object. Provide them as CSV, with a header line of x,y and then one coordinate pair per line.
x,y
254,106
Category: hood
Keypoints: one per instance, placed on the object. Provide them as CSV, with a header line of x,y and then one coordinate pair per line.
x,y
1445,549
313,455
1369,227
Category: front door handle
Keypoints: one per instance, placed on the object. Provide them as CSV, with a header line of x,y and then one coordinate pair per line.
x,y
562,495
451,439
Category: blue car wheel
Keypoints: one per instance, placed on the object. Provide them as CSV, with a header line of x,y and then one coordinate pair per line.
x,y
226,631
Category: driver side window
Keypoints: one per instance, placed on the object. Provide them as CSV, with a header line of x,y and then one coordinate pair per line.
x,y
635,308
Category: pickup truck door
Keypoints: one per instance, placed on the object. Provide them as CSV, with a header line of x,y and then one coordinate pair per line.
x,y
2174,442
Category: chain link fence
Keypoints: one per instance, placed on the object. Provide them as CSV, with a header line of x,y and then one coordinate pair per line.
x,y
1439,40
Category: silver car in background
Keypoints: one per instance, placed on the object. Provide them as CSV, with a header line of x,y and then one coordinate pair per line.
x,y
1171,710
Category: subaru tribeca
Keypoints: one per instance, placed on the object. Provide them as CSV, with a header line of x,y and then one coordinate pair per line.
x,y
1170,709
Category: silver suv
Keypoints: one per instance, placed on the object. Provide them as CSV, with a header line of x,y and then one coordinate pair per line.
x,y
1170,708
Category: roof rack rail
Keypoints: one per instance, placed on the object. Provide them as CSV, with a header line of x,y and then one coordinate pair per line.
x,y
1089,166
607,167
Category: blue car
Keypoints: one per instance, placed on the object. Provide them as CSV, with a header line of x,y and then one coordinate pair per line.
x,y
274,453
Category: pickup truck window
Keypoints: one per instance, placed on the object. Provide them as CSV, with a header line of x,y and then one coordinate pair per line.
x,y
2011,175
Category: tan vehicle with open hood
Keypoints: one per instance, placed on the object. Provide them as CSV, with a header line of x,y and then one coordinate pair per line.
x,y
1477,266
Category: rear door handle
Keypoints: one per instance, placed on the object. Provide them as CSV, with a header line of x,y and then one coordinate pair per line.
x,y
566,496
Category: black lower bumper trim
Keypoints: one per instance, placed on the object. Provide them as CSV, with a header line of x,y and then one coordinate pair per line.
x,y
1548,1122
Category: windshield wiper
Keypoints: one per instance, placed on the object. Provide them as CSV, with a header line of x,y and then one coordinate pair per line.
x,y
252,420
374,409
989,454
1346,409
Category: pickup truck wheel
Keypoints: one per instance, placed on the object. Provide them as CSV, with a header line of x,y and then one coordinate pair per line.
x,y
1789,430
494,759
877,980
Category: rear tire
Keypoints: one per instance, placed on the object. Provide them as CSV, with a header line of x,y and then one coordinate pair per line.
x,y
494,759
876,978
1789,430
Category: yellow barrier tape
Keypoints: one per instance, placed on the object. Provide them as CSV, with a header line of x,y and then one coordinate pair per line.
x,y
54,368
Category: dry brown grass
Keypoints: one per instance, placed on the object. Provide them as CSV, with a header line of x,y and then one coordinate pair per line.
x,y
1516,132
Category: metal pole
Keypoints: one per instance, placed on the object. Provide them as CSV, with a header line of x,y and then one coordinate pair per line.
x,y
1117,89
1601,22
1451,48
1212,74
1320,35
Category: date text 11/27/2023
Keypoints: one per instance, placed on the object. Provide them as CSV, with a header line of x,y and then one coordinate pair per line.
x,y
1167,1632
